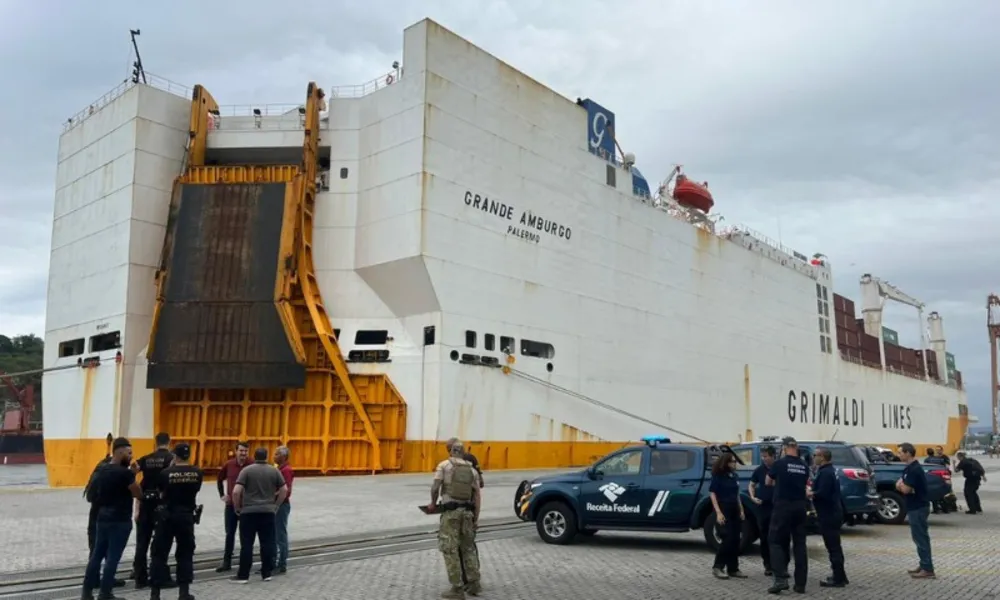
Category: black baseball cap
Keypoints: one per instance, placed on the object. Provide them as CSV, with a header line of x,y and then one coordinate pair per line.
x,y
182,451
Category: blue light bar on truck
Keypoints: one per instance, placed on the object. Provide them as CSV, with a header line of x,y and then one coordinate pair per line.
x,y
652,440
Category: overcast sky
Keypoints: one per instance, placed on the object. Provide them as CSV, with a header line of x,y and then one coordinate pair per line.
x,y
866,131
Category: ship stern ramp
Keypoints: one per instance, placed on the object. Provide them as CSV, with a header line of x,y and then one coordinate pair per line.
x,y
242,347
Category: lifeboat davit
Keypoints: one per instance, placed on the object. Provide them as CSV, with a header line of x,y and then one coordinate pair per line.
x,y
693,195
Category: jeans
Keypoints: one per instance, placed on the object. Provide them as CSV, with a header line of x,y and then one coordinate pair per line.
x,y
109,544
921,537
256,526
281,534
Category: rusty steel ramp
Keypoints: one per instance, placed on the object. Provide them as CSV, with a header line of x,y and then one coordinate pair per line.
x,y
219,324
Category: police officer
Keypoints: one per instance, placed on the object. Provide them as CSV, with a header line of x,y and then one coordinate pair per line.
x,y
825,495
150,466
763,496
789,477
179,485
457,483
974,474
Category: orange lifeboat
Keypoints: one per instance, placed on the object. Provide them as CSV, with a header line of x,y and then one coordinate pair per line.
x,y
693,195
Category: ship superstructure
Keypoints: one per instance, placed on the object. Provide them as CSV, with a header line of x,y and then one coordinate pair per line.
x,y
454,250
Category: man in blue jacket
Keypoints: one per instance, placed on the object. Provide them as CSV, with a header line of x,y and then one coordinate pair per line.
x,y
825,495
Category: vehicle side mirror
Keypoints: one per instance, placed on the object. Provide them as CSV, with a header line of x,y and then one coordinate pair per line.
x,y
594,473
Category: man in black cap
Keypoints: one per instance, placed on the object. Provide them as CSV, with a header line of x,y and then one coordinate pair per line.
x,y
116,491
179,485
789,475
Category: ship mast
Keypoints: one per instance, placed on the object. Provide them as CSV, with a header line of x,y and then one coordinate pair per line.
x,y
993,327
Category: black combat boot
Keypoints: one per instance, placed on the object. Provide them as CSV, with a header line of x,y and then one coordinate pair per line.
x,y
184,592
154,593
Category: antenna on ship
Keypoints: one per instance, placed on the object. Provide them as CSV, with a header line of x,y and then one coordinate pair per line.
x,y
137,70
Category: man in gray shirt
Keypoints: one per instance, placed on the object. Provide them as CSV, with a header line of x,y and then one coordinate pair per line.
x,y
259,491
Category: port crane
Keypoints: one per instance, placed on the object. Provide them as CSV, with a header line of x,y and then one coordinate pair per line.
x,y
874,293
25,397
993,328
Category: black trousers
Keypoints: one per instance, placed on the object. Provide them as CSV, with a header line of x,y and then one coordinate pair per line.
x,y
971,492
788,524
764,526
256,526
92,527
231,524
173,525
144,527
728,555
829,528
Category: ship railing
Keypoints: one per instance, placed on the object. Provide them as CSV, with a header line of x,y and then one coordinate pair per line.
x,y
160,83
265,117
363,89
760,237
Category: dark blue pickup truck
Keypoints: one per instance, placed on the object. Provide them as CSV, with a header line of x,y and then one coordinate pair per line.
x,y
859,497
892,508
654,487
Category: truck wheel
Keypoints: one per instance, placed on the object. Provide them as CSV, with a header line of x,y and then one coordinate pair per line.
x,y
891,509
556,523
713,534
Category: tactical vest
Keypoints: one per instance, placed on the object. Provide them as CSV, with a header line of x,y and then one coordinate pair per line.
x,y
463,480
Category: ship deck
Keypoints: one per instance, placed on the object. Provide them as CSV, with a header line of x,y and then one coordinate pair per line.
x,y
349,515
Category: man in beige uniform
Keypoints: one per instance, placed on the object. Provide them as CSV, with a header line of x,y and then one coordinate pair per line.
x,y
457,483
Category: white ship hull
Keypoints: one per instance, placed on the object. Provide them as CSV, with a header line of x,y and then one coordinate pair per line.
x,y
464,201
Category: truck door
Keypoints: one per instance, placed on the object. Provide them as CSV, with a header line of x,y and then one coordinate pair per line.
x,y
615,497
672,486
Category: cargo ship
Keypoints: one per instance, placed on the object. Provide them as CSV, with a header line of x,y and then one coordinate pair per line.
x,y
452,249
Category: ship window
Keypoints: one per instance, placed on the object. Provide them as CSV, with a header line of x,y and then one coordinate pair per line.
x,y
819,306
490,341
829,346
825,297
343,172
506,344
429,335
71,348
470,339
822,343
611,176
826,309
106,341
371,337
819,291
537,349
820,324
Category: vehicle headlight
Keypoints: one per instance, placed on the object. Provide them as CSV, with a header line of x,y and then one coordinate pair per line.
x,y
535,484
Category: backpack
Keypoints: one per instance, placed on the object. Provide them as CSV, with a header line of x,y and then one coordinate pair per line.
x,y
463,481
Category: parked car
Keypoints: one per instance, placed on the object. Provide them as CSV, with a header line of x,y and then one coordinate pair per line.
x,y
657,486
859,498
892,508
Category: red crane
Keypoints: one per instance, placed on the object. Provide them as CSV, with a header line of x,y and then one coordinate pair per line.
x,y
16,420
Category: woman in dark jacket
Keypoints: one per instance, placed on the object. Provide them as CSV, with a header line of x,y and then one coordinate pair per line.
x,y
725,493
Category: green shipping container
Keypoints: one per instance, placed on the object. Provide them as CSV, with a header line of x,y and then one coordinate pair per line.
x,y
890,336
949,360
